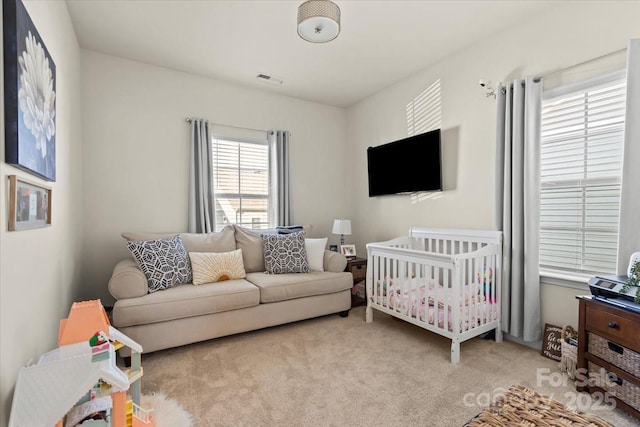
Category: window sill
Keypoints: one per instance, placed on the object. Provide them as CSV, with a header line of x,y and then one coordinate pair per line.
x,y
567,280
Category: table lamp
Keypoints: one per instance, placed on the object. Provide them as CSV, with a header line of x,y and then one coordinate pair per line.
x,y
342,227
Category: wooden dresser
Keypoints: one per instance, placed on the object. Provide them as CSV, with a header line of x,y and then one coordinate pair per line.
x,y
609,353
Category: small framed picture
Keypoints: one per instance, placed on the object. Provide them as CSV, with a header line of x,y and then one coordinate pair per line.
x,y
333,248
348,250
29,205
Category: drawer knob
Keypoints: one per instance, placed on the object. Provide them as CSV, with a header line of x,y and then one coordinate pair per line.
x,y
613,325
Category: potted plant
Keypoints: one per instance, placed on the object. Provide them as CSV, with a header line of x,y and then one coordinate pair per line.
x,y
634,280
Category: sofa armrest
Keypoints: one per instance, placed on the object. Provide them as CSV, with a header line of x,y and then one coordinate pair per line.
x,y
334,262
127,280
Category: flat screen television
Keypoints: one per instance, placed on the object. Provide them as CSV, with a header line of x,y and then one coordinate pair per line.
x,y
409,165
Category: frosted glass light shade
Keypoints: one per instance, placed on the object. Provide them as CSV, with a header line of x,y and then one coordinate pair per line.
x,y
342,226
318,21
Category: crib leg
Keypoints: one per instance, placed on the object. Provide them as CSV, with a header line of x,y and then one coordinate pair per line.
x,y
499,334
455,351
369,315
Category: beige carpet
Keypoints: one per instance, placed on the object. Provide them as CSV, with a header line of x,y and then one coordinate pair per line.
x,y
332,371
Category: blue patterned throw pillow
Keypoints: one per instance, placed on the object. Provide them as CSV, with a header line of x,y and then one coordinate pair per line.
x,y
164,262
285,253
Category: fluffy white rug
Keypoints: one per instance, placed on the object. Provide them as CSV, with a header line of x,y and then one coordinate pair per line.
x,y
166,411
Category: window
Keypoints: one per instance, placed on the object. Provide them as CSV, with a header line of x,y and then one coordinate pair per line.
x,y
241,183
582,137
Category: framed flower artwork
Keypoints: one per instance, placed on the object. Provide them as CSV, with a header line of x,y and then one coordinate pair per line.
x,y
29,95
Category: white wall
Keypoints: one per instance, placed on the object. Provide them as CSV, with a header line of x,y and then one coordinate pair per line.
x,y
39,269
137,146
567,34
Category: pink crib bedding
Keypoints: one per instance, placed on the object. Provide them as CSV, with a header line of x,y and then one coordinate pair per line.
x,y
419,302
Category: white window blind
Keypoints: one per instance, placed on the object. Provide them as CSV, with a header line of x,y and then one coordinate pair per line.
x,y
241,183
582,139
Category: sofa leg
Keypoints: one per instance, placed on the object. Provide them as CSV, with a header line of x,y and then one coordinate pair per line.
x,y
344,313
127,361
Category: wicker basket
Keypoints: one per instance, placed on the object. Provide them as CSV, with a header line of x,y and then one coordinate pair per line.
x,y
521,406
569,357
615,354
622,389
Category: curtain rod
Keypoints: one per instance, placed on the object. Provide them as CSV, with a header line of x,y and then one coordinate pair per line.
x,y
189,120
537,77
558,70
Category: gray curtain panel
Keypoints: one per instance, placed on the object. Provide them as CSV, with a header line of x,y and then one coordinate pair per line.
x,y
517,205
630,197
281,187
201,197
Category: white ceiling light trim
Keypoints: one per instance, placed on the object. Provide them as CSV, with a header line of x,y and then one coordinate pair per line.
x,y
318,21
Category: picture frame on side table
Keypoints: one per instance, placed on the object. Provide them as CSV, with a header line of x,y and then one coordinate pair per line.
x,y
333,248
348,250
29,95
29,205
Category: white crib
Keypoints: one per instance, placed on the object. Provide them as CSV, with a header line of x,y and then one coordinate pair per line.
x,y
445,281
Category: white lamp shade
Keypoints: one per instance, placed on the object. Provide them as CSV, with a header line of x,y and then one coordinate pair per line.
x,y
318,21
342,226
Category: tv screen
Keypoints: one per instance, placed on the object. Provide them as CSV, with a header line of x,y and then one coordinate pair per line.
x,y
405,166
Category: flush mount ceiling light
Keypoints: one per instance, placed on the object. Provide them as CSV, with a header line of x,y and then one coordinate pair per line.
x,y
318,21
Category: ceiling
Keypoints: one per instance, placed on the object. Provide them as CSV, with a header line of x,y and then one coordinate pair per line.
x,y
380,43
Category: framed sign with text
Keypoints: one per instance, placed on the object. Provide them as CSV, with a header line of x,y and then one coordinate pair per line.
x,y
551,342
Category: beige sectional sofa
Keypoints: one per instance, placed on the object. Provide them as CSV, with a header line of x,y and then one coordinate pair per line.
x,y
187,313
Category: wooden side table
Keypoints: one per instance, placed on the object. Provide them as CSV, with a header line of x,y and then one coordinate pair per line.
x,y
358,268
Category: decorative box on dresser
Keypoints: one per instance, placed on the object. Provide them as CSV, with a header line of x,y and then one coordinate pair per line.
x,y
609,350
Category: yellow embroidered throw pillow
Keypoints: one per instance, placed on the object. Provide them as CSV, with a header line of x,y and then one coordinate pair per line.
x,y
210,267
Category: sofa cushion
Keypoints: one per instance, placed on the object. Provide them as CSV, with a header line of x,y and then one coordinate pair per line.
x,y
281,287
251,244
211,267
185,301
164,262
222,241
285,253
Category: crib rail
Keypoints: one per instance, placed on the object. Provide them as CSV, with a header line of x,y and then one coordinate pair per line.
x,y
481,236
440,280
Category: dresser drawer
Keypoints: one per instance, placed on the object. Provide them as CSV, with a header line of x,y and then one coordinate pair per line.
x,y
616,386
359,271
617,355
613,327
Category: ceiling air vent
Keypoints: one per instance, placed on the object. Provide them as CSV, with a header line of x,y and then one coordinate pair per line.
x,y
269,79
